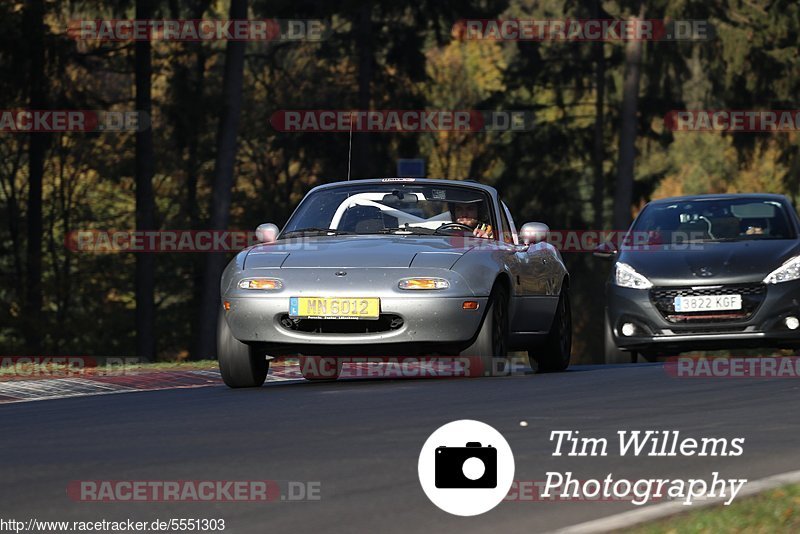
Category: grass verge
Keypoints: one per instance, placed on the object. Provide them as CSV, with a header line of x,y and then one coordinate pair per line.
x,y
773,511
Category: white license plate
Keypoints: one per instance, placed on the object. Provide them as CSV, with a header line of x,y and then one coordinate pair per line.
x,y
708,303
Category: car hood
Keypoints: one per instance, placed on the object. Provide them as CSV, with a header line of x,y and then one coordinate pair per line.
x,y
360,251
710,263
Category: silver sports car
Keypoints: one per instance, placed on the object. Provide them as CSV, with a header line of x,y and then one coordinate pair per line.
x,y
395,267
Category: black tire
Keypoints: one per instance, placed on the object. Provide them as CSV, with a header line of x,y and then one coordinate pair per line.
x,y
320,369
488,354
241,365
612,353
554,355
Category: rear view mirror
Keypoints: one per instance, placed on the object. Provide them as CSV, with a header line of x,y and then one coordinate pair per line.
x,y
533,232
267,233
397,197
604,250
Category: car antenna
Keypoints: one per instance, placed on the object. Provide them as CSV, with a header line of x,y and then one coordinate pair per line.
x,y
350,147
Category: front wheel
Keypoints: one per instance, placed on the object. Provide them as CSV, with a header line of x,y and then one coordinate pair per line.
x,y
241,365
554,355
488,355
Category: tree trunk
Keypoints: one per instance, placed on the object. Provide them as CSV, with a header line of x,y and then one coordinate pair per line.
x,y
362,162
193,180
189,125
205,342
623,194
37,148
145,201
598,154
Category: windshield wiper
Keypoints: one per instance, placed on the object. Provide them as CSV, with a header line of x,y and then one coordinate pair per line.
x,y
410,230
315,231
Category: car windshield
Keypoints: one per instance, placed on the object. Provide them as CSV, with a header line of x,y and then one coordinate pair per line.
x,y
390,207
710,220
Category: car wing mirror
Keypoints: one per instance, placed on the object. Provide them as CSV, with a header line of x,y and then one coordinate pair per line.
x,y
605,250
267,233
533,232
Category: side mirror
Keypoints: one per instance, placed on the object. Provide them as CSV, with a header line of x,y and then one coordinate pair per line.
x,y
605,250
267,233
533,232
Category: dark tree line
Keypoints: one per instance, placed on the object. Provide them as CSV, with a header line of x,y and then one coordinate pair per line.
x,y
211,160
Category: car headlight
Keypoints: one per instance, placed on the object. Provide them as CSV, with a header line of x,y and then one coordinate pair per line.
x,y
264,284
790,270
423,283
626,276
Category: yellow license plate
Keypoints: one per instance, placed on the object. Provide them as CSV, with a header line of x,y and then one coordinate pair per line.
x,y
334,308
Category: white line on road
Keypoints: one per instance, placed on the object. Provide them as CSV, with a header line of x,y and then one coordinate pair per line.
x,y
662,510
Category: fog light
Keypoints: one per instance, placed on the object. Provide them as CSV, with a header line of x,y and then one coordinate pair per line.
x,y
791,322
628,329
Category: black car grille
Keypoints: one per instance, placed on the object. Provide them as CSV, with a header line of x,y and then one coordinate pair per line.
x,y
752,297
385,323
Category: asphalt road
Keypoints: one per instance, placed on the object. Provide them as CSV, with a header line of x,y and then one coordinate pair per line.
x,y
361,439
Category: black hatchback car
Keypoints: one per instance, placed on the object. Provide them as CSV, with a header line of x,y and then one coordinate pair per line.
x,y
704,272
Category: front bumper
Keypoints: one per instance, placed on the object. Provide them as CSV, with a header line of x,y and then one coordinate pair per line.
x,y
654,333
425,320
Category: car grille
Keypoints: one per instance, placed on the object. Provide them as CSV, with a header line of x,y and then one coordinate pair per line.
x,y
752,296
385,323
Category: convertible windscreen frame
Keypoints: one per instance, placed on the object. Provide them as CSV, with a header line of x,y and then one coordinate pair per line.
x,y
411,197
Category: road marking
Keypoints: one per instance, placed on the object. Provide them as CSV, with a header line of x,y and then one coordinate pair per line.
x,y
666,509
62,387
12,391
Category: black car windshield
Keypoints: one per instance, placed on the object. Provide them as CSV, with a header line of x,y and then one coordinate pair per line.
x,y
716,219
390,207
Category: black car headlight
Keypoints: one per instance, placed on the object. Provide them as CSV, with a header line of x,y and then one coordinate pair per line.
x,y
626,276
790,270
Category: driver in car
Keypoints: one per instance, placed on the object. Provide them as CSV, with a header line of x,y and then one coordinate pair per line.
x,y
467,214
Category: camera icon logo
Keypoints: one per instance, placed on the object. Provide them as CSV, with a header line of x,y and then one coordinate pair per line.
x,y
472,466
466,467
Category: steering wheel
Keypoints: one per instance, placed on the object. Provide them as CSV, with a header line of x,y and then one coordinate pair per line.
x,y
455,226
